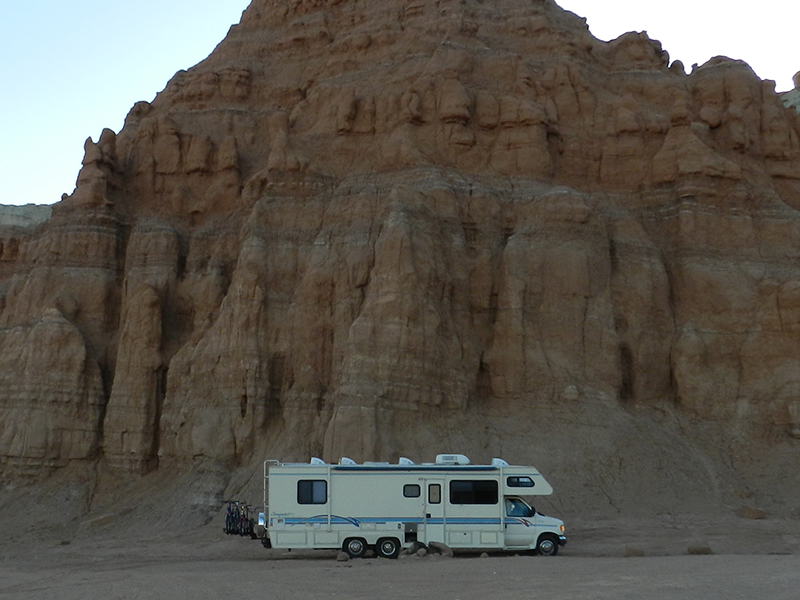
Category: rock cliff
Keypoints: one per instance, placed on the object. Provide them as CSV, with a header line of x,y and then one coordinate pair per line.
x,y
375,229
792,98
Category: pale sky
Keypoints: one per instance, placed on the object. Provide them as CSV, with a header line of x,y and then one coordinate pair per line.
x,y
74,67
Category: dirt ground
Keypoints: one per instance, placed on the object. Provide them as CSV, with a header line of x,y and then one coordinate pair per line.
x,y
669,558
80,535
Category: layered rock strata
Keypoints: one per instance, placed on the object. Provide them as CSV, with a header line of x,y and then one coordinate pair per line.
x,y
355,223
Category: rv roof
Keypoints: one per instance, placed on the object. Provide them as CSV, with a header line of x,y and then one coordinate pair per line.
x,y
404,465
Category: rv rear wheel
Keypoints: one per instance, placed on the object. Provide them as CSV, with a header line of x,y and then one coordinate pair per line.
x,y
547,545
388,547
355,547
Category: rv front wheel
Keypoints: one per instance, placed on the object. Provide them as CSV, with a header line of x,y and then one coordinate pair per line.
x,y
355,547
388,547
547,546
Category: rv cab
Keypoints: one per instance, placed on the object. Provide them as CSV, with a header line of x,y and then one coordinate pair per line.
x,y
523,526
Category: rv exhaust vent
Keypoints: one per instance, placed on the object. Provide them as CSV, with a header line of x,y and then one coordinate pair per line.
x,y
317,461
347,461
451,459
405,461
499,462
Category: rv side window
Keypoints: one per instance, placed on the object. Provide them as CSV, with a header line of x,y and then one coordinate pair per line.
x,y
434,493
411,490
519,482
312,491
473,492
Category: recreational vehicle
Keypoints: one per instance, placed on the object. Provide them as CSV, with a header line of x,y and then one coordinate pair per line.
x,y
388,507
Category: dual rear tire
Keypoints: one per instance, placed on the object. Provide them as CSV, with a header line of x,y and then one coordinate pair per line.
x,y
388,547
385,548
355,547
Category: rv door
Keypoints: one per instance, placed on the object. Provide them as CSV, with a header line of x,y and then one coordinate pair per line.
x,y
434,510
520,523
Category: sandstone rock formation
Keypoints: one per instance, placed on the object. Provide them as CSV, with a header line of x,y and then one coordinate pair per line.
x,y
379,228
792,99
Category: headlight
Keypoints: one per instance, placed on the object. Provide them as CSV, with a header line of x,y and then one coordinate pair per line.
x,y
562,529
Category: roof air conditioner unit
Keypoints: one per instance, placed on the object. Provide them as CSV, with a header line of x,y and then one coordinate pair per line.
x,y
451,459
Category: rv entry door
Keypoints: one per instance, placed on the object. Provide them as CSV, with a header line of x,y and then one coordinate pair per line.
x,y
434,510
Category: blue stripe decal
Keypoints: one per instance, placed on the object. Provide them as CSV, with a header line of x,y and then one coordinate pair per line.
x,y
356,522
413,468
519,521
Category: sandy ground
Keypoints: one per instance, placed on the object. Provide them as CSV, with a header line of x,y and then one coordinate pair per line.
x,y
608,559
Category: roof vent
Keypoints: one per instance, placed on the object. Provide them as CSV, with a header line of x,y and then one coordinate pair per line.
x,y
317,461
499,462
405,461
347,461
451,459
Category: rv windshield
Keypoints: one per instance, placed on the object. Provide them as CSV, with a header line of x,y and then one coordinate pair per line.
x,y
517,507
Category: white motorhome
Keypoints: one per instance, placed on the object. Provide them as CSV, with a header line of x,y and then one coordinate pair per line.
x,y
388,507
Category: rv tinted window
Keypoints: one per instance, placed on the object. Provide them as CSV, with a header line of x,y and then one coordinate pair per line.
x,y
434,493
473,492
519,482
411,490
312,491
